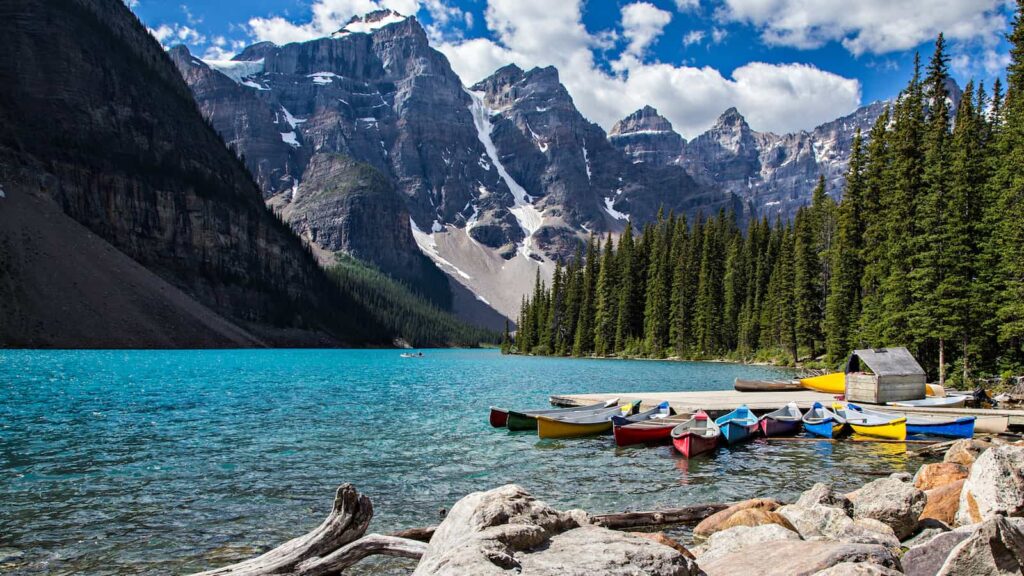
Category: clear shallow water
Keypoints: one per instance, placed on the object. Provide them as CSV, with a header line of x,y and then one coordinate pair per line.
x,y
161,462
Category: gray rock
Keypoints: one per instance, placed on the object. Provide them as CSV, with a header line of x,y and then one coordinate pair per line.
x,y
505,530
995,486
894,502
858,569
646,136
732,539
930,528
826,495
816,521
994,548
926,558
797,558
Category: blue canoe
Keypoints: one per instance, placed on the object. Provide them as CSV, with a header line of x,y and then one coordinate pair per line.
x,y
660,411
954,427
738,425
821,421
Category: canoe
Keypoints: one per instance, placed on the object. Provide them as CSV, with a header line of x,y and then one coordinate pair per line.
x,y
737,425
871,423
782,422
954,427
579,426
933,402
821,421
653,431
742,385
527,420
834,383
662,410
696,436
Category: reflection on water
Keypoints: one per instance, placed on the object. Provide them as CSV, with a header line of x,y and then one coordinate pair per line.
x,y
163,462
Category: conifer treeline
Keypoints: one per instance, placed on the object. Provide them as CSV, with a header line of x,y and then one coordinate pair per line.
x,y
926,250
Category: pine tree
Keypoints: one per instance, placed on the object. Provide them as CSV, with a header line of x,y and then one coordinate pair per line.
x,y
606,309
583,343
710,304
624,266
807,272
843,302
657,299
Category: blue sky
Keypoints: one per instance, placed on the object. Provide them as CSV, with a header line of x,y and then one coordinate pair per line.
x,y
786,64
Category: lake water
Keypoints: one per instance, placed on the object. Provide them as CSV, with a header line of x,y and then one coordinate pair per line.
x,y
160,462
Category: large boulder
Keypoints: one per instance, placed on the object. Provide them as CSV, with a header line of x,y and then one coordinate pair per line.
x,y
943,502
995,486
932,476
720,520
820,522
965,452
927,558
506,531
858,569
994,548
728,541
665,540
797,558
891,501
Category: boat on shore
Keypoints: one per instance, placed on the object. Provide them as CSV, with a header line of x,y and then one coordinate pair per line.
x,y
924,425
871,423
782,422
738,425
932,402
500,417
820,421
697,435
742,385
834,383
579,426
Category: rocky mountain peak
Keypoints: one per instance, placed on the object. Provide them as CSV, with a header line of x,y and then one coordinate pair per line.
x,y
369,22
732,118
645,119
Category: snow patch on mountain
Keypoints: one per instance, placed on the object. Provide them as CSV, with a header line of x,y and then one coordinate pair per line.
x,y
608,207
524,211
237,70
428,245
369,23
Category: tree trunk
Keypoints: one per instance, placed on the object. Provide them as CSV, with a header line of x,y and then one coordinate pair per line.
x,y
350,554
966,371
942,362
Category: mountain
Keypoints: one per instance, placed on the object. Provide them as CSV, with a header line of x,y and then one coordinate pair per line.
x,y
498,180
773,174
124,220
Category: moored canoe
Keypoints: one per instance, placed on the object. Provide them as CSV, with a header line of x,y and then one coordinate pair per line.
x,y
567,426
655,431
782,422
834,383
875,424
738,425
948,427
697,435
933,402
821,421
516,421
498,417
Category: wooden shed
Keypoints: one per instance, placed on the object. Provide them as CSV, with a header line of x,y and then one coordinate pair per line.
x,y
883,375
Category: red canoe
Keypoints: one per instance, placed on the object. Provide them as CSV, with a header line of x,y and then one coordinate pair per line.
x,y
696,436
654,431
499,417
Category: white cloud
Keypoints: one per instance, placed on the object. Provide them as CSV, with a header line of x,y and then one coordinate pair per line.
x,y
328,16
687,5
718,34
171,34
693,37
868,26
642,23
776,97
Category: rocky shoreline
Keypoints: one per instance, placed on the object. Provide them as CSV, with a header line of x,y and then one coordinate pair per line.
x,y
963,516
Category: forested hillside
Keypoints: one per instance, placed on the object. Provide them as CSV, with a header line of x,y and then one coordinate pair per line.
x,y
925,250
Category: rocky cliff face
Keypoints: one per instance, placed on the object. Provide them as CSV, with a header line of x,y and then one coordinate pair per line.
x,y
507,170
646,136
97,122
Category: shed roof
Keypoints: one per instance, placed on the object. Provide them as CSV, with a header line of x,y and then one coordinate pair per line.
x,y
885,361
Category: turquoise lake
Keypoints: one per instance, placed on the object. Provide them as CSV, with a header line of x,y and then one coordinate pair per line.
x,y
163,462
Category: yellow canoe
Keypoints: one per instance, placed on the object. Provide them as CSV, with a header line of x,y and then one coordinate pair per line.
x,y
874,424
551,428
834,383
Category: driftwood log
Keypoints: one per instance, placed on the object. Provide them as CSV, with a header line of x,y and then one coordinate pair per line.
x,y
331,547
339,542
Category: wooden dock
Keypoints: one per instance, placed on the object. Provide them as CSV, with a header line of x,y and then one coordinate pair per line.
x,y
718,402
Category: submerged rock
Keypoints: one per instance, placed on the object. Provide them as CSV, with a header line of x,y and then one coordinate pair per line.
x,y
797,558
507,531
995,486
891,501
